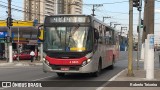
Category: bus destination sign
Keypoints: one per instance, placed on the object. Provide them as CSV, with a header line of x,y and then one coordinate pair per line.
x,y
68,19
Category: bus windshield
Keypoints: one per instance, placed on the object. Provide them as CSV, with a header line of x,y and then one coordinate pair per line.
x,y
66,39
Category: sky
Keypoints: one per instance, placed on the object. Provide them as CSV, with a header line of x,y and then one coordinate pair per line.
x,y
118,10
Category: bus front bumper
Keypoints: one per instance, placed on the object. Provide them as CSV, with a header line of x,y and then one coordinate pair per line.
x,y
88,68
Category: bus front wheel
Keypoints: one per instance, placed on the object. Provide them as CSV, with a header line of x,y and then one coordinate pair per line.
x,y
97,73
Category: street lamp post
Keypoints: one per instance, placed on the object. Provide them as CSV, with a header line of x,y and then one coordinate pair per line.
x,y
116,25
95,5
111,23
105,18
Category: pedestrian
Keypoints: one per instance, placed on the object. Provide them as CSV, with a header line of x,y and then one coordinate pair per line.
x,y
32,54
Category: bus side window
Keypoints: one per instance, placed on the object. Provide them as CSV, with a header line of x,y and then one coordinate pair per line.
x,y
96,34
101,35
109,37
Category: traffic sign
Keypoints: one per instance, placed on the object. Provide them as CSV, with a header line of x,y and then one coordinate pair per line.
x,y
4,34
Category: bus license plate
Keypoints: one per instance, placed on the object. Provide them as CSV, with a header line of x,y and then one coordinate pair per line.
x,y
64,68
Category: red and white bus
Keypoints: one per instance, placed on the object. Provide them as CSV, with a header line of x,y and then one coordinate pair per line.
x,y
78,44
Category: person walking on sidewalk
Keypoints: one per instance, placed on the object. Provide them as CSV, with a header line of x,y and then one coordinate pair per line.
x,y
32,54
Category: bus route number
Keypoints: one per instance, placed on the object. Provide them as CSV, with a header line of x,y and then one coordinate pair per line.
x,y
73,62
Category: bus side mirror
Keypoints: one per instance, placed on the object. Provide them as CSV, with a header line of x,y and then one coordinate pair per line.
x,y
40,34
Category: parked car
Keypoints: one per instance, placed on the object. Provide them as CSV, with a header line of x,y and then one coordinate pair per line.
x,y
25,55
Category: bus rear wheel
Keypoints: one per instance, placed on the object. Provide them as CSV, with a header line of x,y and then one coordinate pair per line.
x,y
60,74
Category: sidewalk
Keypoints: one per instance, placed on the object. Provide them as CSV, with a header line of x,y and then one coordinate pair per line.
x,y
4,63
123,82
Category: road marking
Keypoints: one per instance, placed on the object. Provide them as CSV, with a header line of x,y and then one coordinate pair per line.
x,y
112,79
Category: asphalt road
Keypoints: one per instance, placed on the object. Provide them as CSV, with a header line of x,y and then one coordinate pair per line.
x,y
35,73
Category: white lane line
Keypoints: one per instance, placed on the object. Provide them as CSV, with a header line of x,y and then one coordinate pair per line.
x,y
112,79
43,78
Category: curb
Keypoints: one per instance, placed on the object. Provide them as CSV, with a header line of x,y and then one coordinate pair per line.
x,y
6,64
20,64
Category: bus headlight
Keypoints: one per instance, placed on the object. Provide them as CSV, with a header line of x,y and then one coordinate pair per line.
x,y
46,61
86,62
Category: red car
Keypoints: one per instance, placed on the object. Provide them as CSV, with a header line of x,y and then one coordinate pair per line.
x,y
25,55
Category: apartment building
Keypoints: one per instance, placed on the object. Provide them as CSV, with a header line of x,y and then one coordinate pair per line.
x,y
69,7
38,9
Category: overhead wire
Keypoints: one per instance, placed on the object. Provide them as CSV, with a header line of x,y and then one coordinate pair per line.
x,y
15,9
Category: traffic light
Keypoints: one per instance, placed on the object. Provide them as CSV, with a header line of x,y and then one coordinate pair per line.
x,y
136,3
141,21
9,21
137,29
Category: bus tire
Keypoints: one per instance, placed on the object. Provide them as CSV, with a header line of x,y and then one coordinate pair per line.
x,y
60,74
97,73
45,71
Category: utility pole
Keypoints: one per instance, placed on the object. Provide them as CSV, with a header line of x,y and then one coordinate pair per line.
x,y
95,5
139,8
9,34
145,22
130,56
105,18
150,12
148,18
111,23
